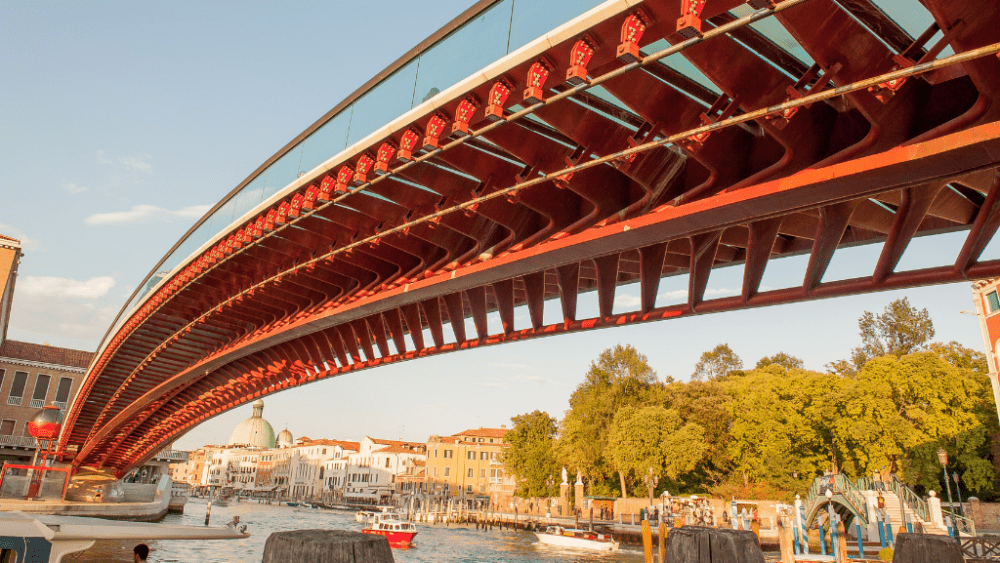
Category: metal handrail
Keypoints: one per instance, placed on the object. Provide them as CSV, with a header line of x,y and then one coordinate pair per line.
x,y
962,524
910,498
843,484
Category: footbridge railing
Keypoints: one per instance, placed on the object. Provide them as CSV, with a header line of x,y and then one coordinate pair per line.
x,y
845,492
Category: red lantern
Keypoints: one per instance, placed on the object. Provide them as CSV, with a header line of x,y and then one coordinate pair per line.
x,y
383,156
295,206
579,58
537,75
689,24
467,107
435,128
498,96
344,177
361,171
309,201
326,186
407,144
264,223
632,30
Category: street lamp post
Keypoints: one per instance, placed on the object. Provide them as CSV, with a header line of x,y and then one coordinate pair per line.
x,y
958,491
943,458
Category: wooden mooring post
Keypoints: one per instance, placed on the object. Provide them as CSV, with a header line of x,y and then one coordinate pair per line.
x,y
326,546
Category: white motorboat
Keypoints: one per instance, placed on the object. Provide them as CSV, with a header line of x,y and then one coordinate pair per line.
x,y
47,538
364,516
581,539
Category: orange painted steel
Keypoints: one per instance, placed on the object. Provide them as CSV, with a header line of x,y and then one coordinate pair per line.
x,y
584,196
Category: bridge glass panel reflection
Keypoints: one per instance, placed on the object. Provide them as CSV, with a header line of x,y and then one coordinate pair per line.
x,y
282,172
532,19
388,100
474,46
326,141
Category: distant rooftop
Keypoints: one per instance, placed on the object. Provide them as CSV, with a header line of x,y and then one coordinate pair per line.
x,y
45,354
483,432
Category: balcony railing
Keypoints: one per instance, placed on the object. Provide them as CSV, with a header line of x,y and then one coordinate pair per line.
x,y
24,441
14,401
61,404
37,403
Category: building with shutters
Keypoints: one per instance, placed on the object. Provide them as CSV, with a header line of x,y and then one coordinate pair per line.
x,y
31,375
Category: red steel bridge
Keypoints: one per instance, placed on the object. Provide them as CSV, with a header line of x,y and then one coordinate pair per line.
x,y
642,139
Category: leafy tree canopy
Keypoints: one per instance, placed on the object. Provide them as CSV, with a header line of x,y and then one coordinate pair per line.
x,y
781,359
530,455
717,363
621,376
901,329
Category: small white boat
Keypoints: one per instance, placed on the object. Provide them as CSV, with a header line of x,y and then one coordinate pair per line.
x,y
581,539
48,538
364,516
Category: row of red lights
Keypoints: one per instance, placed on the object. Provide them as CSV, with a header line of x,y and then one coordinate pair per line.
x,y
348,176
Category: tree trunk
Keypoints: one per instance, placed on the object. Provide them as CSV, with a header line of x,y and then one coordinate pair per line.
x,y
621,477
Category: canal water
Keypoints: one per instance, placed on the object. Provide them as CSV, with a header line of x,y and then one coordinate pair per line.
x,y
438,544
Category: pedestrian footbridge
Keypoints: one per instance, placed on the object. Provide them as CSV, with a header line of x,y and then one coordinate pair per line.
x,y
856,502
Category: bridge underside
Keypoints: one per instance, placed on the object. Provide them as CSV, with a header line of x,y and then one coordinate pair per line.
x,y
333,282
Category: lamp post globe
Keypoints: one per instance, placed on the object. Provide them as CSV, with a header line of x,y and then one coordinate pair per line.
x,y
45,425
943,458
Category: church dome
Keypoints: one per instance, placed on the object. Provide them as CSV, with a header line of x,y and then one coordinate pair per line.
x,y
254,432
285,439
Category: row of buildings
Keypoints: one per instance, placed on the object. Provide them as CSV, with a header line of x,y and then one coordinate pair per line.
x,y
465,467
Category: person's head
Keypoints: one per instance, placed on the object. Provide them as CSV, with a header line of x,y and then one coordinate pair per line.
x,y
140,553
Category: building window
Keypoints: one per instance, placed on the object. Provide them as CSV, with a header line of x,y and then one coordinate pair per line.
x,y
471,455
435,471
62,392
482,456
482,473
435,453
387,461
471,473
447,454
17,389
6,427
993,301
41,390
447,472
468,488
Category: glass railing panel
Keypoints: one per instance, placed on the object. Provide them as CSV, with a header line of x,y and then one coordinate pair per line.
x,y
282,172
775,33
326,141
249,197
479,43
532,19
680,64
388,100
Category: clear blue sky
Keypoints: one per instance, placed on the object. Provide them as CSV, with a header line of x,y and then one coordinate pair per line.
x,y
121,123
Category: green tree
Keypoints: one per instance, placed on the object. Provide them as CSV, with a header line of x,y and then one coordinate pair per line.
x,y
621,376
782,359
717,363
900,330
777,433
530,455
653,437
703,403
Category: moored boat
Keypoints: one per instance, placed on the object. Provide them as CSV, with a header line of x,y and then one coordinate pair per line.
x,y
363,516
582,539
399,533
47,538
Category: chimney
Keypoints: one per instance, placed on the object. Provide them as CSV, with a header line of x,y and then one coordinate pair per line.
x,y
503,427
